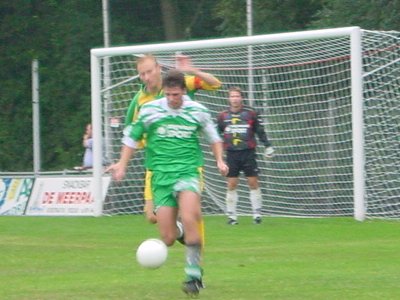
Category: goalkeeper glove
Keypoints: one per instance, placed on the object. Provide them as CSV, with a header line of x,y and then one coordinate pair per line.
x,y
269,151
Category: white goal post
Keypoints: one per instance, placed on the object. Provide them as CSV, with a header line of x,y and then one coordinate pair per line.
x,y
329,99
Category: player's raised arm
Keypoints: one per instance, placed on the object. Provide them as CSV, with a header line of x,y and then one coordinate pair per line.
x,y
184,64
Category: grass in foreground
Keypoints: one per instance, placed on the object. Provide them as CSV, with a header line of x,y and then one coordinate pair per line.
x,y
283,258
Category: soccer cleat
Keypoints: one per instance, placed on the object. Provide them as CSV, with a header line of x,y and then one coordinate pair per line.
x,y
232,221
181,233
192,287
257,220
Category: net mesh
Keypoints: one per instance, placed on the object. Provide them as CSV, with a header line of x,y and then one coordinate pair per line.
x,y
302,90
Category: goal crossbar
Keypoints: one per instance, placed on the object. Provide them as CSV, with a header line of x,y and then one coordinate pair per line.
x,y
225,42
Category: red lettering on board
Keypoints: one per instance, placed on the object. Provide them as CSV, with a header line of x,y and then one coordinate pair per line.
x,y
74,198
49,197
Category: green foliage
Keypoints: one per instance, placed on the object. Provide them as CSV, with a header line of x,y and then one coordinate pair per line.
x,y
368,14
57,35
61,33
268,16
94,258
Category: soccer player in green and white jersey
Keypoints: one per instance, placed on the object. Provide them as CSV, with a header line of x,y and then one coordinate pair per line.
x,y
173,126
150,74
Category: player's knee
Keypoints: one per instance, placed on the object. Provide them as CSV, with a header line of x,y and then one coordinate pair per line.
x,y
169,237
169,240
232,185
253,186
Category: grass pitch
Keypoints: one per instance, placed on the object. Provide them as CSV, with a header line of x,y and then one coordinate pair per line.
x,y
283,258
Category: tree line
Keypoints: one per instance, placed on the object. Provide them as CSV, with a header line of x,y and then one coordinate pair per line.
x,y
60,35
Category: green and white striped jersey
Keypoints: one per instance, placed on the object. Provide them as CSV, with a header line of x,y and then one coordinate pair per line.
x,y
172,135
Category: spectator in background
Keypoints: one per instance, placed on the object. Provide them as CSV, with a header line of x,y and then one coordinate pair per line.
x,y
87,142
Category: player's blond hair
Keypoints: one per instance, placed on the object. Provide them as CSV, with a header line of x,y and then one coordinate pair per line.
x,y
146,57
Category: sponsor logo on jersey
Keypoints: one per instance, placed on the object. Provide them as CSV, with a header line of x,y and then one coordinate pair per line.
x,y
237,128
176,131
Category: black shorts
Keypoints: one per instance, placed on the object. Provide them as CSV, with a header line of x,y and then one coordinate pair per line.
x,y
242,160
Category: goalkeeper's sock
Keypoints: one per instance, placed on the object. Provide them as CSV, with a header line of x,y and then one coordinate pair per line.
x,y
256,199
231,202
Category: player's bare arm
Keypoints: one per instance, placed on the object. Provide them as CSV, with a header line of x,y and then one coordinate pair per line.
x,y
217,149
118,169
184,64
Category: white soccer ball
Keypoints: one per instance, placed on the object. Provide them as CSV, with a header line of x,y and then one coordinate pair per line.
x,y
152,253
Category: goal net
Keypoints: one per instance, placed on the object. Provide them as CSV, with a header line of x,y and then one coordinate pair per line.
x,y
330,103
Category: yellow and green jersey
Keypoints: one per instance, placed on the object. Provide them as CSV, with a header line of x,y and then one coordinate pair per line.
x,y
193,84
